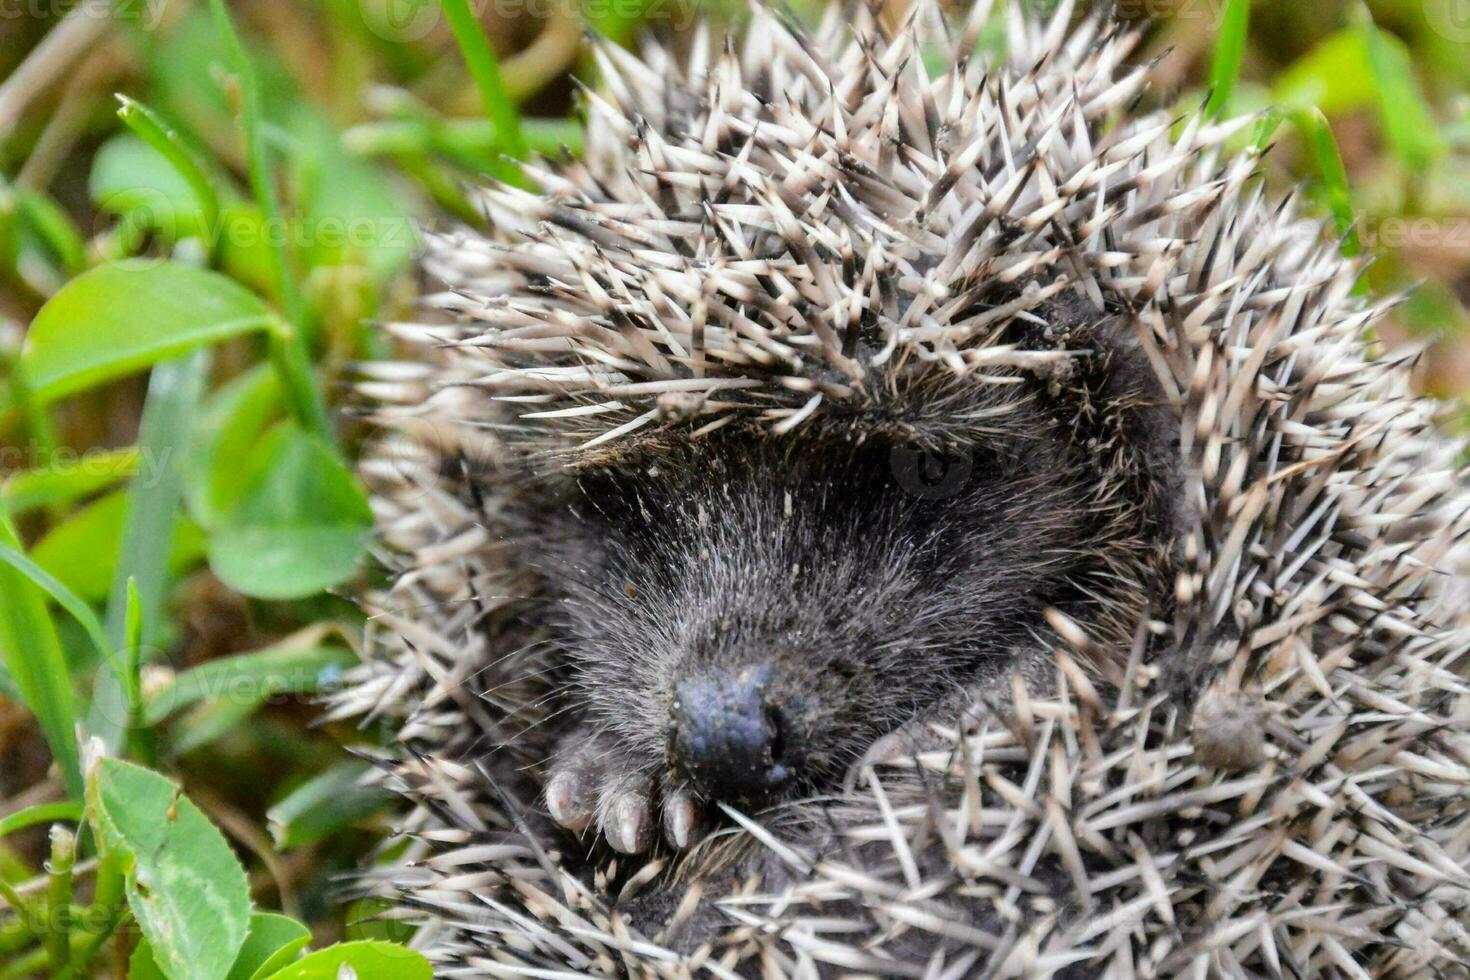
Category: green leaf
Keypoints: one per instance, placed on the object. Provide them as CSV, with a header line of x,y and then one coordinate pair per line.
x,y
82,551
67,480
210,721
142,965
39,814
1229,52
375,917
1407,121
64,597
368,960
122,317
133,180
323,805
185,886
1334,76
273,942
184,74
350,215
301,525
230,424
244,250
252,677
49,222
32,654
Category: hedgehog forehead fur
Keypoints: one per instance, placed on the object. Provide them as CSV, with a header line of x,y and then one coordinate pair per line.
x,y
813,258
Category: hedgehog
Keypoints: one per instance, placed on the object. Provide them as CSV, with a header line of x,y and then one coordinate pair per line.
x,y
892,508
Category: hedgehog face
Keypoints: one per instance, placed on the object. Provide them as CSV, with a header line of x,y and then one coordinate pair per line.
x,y
745,615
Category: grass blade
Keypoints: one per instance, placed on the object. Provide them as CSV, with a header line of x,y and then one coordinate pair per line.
x,y
32,654
324,806
288,348
64,597
485,69
132,678
156,133
1408,124
461,140
52,224
257,676
174,392
38,417
1229,52
1317,134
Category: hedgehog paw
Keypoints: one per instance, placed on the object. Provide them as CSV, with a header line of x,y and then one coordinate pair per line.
x,y
589,787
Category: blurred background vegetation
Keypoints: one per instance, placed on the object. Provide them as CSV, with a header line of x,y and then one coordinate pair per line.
x,y
287,188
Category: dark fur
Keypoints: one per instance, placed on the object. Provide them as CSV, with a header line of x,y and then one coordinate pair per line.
x,y
884,568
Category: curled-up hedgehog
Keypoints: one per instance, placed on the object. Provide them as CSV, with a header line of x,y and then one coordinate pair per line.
x,y
887,511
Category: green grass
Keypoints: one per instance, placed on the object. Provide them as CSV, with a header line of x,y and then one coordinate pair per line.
x,y
200,225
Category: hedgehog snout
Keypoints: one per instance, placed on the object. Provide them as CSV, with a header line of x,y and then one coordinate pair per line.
x,y
729,737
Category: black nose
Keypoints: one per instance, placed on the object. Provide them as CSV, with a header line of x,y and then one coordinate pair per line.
x,y
727,738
